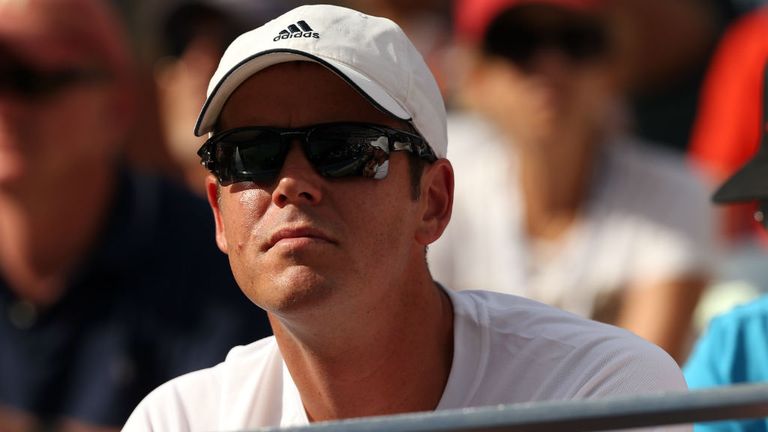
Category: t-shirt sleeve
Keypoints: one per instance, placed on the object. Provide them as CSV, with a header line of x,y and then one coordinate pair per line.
x,y
632,369
636,370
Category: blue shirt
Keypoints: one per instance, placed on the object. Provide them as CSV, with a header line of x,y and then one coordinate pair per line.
x,y
155,299
733,350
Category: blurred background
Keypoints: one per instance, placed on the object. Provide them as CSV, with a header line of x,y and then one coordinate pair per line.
x,y
586,136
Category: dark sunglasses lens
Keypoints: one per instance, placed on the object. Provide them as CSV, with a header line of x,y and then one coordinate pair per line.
x,y
18,79
515,36
578,44
516,45
249,155
25,81
582,42
347,151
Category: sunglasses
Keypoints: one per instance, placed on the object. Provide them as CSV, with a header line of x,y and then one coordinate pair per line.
x,y
32,84
335,150
519,41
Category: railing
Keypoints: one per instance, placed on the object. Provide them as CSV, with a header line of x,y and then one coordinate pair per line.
x,y
724,403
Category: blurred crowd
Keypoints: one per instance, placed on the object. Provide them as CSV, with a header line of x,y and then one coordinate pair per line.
x,y
603,127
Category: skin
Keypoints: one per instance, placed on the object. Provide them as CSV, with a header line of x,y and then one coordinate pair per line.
x,y
556,112
339,264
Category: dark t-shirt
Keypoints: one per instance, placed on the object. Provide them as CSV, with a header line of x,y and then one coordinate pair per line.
x,y
156,299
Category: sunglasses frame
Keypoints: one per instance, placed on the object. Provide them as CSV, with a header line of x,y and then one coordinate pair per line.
x,y
397,140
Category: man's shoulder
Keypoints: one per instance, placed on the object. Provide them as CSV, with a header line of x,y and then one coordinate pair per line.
x,y
205,399
514,316
546,353
257,351
252,359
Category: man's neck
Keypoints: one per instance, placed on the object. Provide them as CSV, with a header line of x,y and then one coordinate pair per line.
x,y
397,361
45,232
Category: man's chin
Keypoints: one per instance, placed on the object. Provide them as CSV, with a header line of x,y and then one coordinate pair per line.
x,y
294,289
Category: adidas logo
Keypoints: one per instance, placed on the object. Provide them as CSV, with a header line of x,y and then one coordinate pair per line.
x,y
300,29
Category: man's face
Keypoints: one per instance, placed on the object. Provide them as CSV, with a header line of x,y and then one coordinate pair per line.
x,y
305,239
49,133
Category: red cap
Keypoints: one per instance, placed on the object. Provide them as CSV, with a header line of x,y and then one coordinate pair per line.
x,y
472,17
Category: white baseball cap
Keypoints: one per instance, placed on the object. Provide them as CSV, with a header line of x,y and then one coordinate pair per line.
x,y
372,54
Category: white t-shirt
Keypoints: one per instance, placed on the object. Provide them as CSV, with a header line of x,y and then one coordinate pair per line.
x,y
506,350
648,218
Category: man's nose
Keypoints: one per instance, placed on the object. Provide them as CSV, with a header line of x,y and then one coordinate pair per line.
x,y
298,183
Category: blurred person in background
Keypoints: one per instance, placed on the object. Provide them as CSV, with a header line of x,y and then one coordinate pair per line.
x,y
192,38
665,48
553,201
107,287
661,53
734,348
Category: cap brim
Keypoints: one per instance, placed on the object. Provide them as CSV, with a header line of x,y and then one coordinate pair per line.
x,y
245,69
748,184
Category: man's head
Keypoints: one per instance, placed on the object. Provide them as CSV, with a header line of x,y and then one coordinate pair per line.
x,y
308,208
65,88
750,183
540,66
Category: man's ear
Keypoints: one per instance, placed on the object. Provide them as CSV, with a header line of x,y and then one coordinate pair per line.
x,y
437,201
213,190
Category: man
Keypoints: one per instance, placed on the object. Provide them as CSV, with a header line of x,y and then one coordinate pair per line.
x,y
580,215
105,290
337,259
734,348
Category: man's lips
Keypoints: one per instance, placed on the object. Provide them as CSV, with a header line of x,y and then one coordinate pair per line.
x,y
297,233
